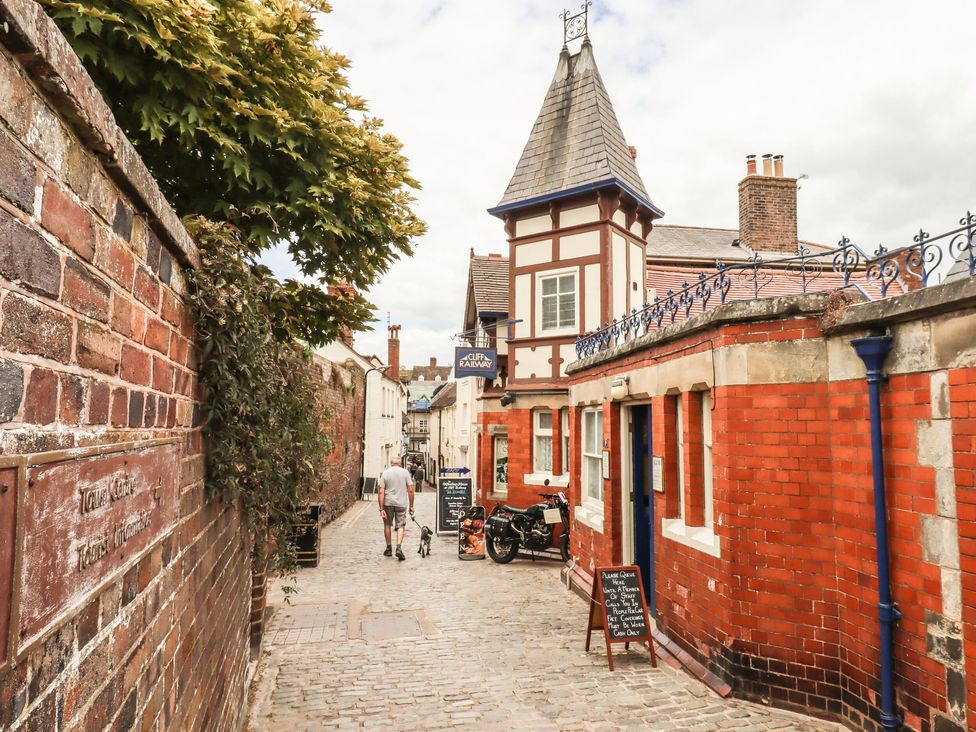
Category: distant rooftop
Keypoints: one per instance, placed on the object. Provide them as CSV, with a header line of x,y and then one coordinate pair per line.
x,y
668,242
489,279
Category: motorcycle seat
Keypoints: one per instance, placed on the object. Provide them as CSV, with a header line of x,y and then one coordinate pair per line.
x,y
513,509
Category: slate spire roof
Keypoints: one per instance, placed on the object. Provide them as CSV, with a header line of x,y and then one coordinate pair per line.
x,y
576,143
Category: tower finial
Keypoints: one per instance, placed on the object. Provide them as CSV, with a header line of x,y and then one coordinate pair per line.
x,y
576,26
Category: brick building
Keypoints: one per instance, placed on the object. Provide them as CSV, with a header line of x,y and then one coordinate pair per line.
x,y
718,388
145,625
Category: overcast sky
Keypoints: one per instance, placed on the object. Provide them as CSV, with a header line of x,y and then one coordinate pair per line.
x,y
875,101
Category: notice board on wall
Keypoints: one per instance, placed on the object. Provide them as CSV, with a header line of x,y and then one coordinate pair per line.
x,y
618,608
453,497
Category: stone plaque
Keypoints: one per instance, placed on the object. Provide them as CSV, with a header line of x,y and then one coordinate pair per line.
x,y
87,517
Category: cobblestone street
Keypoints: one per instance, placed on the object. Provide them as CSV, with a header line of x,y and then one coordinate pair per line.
x,y
374,643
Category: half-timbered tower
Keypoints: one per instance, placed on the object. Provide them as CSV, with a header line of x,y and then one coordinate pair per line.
x,y
577,216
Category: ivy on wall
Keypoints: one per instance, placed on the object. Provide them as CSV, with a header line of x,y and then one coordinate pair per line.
x,y
262,404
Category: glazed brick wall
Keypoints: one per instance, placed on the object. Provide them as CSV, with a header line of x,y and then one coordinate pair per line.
x,y
97,346
344,394
788,612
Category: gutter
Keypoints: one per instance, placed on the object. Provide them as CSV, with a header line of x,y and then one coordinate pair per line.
x,y
873,350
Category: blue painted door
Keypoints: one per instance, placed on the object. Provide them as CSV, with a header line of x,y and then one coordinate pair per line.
x,y
642,498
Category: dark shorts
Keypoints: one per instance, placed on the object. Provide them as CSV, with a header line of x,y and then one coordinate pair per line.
x,y
399,513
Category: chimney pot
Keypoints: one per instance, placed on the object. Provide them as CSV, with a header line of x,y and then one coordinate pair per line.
x,y
778,166
633,151
750,164
767,164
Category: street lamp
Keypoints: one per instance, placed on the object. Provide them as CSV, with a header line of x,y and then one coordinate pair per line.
x,y
362,457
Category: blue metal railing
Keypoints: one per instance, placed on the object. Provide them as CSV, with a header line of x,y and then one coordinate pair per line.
x,y
848,266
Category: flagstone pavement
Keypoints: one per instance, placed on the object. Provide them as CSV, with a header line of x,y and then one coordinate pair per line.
x,y
425,644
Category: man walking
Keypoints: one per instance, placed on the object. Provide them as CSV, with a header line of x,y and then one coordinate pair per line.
x,y
396,495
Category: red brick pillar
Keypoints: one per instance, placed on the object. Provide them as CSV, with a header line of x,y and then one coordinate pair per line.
x,y
691,405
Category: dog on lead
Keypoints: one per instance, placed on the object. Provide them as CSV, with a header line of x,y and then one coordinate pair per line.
x,y
425,536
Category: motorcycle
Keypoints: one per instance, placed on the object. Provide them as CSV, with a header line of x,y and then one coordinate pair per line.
x,y
509,529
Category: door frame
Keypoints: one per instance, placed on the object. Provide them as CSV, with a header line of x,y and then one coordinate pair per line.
x,y
627,478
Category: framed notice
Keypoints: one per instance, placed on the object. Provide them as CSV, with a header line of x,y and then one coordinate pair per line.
x,y
453,497
657,474
606,464
618,608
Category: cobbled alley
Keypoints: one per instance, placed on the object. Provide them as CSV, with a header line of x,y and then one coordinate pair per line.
x,y
373,643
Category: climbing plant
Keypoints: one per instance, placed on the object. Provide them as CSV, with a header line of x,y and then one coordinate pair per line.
x,y
245,118
262,401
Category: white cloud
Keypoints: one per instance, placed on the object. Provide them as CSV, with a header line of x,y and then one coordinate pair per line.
x,y
874,100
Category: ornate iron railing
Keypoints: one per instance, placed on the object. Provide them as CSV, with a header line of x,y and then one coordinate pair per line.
x,y
912,266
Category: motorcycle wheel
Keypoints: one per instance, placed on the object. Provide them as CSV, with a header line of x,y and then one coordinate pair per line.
x,y
564,547
500,552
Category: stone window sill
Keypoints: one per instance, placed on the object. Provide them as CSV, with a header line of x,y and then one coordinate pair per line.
x,y
702,538
555,481
591,514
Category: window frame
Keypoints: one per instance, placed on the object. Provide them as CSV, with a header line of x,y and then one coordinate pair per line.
x,y
591,461
542,277
494,453
541,433
564,439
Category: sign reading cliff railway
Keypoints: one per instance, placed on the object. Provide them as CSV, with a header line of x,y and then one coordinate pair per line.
x,y
475,362
87,516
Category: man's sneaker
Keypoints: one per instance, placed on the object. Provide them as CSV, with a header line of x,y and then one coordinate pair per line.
x,y
388,552
399,554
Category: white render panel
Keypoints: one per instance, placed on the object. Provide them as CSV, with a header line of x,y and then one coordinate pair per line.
x,y
586,244
534,225
620,217
581,215
568,354
533,362
523,305
538,252
635,228
591,281
619,263
636,288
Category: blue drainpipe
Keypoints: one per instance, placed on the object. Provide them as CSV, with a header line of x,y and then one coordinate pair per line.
x,y
873,350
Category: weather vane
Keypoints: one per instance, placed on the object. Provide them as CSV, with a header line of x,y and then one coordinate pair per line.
x,y
575,26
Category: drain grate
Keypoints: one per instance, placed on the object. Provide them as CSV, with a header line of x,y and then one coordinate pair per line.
x,y
309,624
390,626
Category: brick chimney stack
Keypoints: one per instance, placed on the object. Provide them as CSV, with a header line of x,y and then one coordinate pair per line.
x,y
343,290
393,353
767,208
433,362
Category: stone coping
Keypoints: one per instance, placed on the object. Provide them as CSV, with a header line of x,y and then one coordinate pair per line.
x,y
934,300
740,311
50,62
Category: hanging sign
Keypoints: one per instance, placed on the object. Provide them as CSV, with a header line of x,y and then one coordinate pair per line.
x,y
475,362
453,497
471,533
619,608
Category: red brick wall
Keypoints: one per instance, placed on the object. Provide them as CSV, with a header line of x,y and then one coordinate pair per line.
x,y
788,612
345,393
96,347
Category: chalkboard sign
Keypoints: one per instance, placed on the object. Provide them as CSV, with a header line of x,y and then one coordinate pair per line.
x,y
619,608
453,497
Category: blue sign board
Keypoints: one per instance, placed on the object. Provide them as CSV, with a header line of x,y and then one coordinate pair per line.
x,y
475,362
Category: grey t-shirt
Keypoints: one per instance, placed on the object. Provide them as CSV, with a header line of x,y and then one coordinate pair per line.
x,y
394,482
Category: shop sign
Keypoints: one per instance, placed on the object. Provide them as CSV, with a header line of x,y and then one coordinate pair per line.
x,y
618,608
471,533
453,497
475,362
